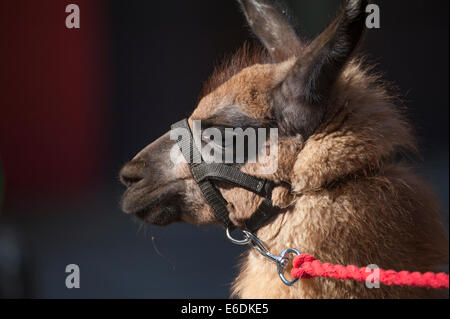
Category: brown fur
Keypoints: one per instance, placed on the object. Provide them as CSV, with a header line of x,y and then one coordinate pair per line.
x,y
247,55
355,205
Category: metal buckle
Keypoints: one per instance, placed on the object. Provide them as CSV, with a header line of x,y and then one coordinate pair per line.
x,y
282,261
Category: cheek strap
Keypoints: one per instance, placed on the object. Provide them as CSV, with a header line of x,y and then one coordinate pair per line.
x,y
204,174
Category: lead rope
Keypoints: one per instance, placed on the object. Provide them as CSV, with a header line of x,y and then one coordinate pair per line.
x,y
307,267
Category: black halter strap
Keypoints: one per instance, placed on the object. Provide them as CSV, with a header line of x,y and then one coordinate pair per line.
x,y
204,173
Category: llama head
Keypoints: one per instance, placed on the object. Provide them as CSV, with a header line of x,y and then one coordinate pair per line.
x,y
288,85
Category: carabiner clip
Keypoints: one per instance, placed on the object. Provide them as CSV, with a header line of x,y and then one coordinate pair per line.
x,y
282,261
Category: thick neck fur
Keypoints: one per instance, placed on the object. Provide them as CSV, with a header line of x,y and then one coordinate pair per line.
x,y
355,205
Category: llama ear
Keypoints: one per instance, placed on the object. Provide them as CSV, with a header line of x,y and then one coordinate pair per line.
x,y
331,50
272,28
301,98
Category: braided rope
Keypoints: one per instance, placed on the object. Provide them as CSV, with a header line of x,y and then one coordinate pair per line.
x,y
307,267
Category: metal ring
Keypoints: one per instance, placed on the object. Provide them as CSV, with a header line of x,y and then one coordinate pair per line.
x,y
282,266
242,242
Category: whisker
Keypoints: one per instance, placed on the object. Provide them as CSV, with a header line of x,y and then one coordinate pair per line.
x,y
158,252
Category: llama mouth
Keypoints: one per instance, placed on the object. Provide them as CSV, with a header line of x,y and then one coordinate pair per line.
x,y
161,216
157,206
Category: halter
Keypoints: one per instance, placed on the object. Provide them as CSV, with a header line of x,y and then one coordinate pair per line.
x,y
204,174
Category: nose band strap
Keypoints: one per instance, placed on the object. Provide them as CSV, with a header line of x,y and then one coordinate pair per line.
x,y
204,173
211,194
233,175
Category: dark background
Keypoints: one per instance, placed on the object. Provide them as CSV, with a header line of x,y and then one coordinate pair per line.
x,y
75,105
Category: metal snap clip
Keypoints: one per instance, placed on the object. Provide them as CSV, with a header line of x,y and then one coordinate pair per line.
x,y
283,262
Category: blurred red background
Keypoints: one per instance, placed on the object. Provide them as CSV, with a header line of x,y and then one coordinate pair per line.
x,y
52,106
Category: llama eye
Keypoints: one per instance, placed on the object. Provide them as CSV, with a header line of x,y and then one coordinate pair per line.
x,y
222,140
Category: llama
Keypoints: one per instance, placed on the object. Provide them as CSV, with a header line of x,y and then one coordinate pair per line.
x,y
344,194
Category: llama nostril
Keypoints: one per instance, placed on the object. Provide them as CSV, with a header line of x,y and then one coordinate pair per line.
x,y
131,173
129,180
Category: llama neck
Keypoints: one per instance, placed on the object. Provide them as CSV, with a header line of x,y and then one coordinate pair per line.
x,y
299,227
276,236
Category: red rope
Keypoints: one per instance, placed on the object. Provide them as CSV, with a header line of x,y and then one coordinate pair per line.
x,y
307,267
